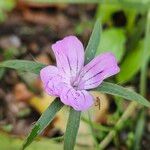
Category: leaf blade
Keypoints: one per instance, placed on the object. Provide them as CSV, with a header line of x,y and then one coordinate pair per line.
x,y
117,90
43,121
93,42
72,129
23,65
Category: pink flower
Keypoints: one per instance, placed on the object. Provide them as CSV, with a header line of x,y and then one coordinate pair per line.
x,y
70,80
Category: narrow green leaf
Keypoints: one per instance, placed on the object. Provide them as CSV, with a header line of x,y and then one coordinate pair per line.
x,y
23,65
117,90
139,130
93,42
112,40
43,121
72,129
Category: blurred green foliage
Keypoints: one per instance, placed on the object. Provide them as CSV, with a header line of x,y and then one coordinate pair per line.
x,y
123,39
112,39
6,6
8,142
131,64
11,143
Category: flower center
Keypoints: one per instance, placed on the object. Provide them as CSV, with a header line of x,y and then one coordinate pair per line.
x,y
74,82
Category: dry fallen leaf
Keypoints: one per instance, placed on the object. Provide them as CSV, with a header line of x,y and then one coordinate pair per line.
x,y
43,58
100,110
41,103
21,92
56,22
35,4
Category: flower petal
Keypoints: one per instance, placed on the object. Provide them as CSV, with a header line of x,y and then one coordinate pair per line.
x,y
79,100
97,70
52,80
69,54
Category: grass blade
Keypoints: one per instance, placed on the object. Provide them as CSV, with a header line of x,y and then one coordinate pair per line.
x,y
120,91
72,129
43,121
93,42
23,65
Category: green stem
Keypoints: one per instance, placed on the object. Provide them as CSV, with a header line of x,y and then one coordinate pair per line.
x,y
139,129
128,112
72,129
92,130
